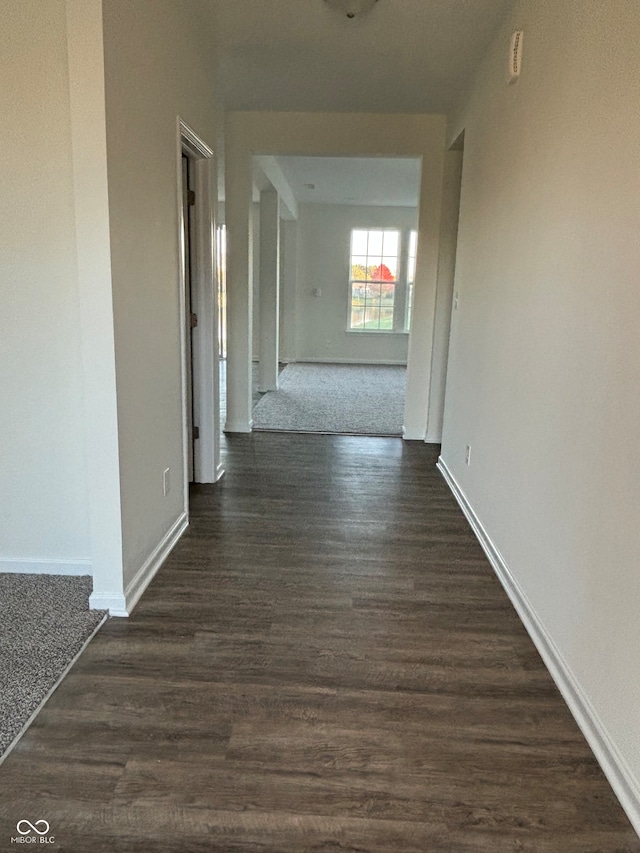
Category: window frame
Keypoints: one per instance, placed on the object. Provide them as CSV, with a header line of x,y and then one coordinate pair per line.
x,y
401,285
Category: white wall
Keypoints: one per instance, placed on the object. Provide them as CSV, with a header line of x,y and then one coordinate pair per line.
x,y
444,295
44,522
544,368
157,66
324,245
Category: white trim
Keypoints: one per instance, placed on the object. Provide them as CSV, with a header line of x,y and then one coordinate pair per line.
x,y
192,141
116,604
206,361
372,361
622,780
184,378
52,690
404,332
407,435
205,379
238,426
149,568
18,565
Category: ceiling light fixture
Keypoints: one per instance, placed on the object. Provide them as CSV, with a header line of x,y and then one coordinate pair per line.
x,y
352,8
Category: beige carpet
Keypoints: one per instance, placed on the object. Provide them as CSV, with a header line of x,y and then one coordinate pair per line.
x,y
44,622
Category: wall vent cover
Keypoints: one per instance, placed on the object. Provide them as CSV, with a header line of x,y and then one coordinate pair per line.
x,y
515,56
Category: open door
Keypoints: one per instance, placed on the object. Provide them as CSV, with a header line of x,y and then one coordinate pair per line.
x,y
191,318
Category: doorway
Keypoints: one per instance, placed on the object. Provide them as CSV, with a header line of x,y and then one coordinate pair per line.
x,y
334,304
199,310
188,202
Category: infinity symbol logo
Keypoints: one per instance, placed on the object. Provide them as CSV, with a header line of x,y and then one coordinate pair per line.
x,y
32,827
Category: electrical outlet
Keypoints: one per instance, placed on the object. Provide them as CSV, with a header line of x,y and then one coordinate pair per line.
x,y
467,454
166,482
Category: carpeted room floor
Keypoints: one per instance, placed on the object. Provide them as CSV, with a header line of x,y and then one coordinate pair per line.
x,y
44,622
352,399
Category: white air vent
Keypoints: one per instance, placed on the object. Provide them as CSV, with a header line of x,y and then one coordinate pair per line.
x,y
515,56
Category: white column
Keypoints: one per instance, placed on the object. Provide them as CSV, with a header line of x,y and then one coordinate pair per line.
x,y
444,294
93,240
288,285
239,293
269,289
416,405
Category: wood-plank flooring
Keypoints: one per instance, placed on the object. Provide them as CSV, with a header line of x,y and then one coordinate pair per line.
x,y
325,664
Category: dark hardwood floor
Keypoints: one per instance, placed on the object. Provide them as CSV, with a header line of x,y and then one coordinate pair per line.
x,y
325,664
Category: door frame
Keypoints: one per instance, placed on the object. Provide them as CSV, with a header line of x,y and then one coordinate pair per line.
x,y
205,377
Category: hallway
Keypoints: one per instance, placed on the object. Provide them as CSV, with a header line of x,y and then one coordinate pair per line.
x,y
325,663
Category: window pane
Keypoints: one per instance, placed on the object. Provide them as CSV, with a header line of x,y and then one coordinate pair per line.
x,y
359,242
389,269
375,243
373,265
358,292
391,242
381,272
372,318
409,307
359,268
411,260
387,293
372,294
357,317
386,318
411,270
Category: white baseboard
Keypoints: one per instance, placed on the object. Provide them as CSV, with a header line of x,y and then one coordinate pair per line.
x,y
219,472
122,605
407,435
45,567
114,603
364,362
147,571
238,426
621,779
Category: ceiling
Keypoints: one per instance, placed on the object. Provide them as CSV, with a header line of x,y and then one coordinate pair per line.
x,y
372,181
404,56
